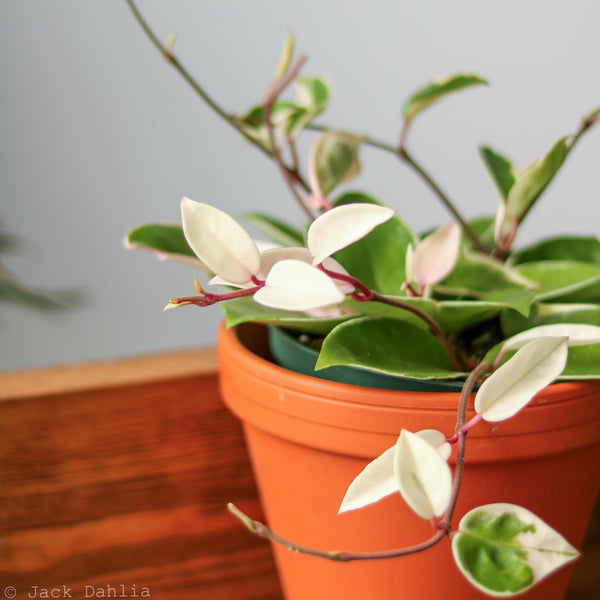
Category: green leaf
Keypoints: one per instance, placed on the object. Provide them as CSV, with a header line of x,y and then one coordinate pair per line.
x,y
476,275
583,363
312,93
312,98
582,249
484,229
548,314
386,346
8,241
456,315
334,160
531,180
484,553
167,239
566,281
378,259
284,116
16,292
504,549
432,92
243,310
278,231
518,299
500,168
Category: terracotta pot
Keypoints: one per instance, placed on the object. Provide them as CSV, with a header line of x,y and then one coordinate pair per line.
x,y
309,438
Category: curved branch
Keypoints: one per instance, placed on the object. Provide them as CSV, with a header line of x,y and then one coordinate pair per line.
x,y
403,155
169,56
261,530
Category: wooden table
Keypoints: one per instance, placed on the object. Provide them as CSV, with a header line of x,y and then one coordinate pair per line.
x,y
114,479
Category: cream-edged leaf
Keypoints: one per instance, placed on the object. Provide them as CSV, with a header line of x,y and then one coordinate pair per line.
x,y
374,482
296,285
409,263
516,382
333,159
579,334
437,90
423,476
286,56
504,549
436,255
342,226
219,241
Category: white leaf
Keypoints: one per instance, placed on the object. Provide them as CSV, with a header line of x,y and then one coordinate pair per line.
x,y
516,382
218,280
436,255
275,255
270,257
342,226
375,481
578,334
409,263
219,241
295,285
333,265
437,440
539,546
423,476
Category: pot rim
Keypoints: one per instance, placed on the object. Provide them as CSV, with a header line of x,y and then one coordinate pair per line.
x,y
339,416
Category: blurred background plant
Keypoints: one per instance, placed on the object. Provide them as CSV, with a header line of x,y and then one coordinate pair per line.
x,y
15,290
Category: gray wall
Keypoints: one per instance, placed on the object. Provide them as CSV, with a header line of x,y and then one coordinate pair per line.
x,y
98,134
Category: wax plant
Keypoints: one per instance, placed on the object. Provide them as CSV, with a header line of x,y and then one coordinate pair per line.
x,y
459,302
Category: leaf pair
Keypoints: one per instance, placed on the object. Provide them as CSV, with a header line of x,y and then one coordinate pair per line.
x,y
434,257
286,278
415,467
520,188
288,118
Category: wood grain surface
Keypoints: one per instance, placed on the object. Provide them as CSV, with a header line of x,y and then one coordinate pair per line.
x,y
114,478
117,474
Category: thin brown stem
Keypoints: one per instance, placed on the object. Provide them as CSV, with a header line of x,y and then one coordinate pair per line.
x,y
467,389
403,135
279,84
585,125
172,59
402,153
435,328
296,165
286,173
261,530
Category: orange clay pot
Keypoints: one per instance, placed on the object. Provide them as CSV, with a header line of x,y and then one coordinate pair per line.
x,y
308,438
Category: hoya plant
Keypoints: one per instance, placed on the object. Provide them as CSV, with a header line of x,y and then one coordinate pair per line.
x,y
353,277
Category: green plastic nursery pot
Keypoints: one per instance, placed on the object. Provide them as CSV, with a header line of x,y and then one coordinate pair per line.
x,y
308,438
